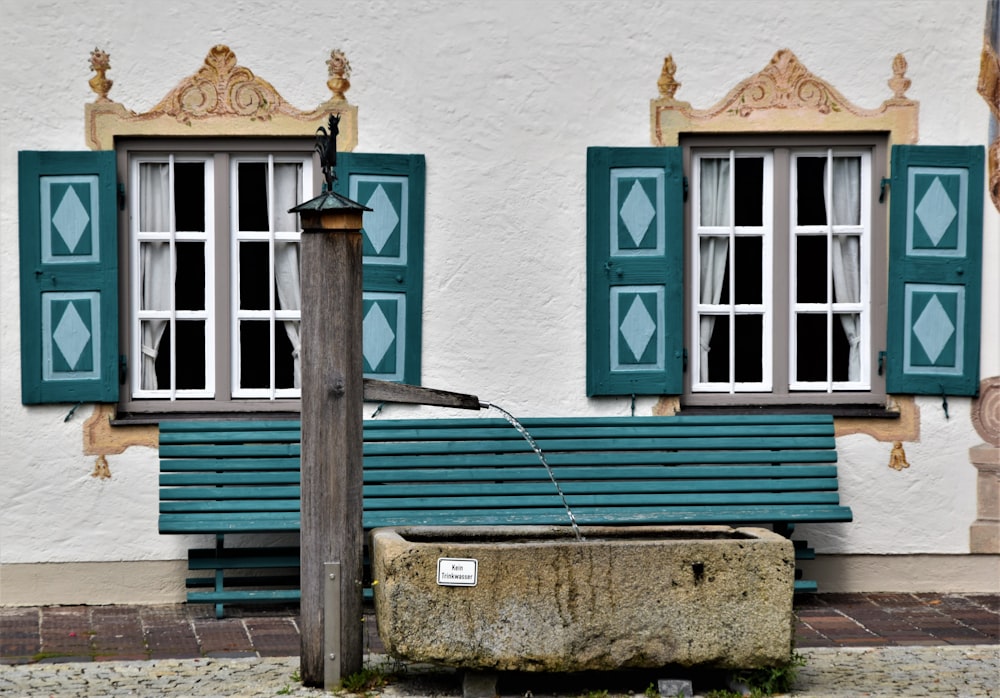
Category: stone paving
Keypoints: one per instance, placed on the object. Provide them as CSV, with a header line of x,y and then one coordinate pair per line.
x,y
854,645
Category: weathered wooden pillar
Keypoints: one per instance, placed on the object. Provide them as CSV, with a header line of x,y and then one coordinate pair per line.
x,y
332,405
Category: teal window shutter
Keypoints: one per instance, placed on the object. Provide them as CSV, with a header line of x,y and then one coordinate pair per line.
x,y
393,248
635,270
935,269
69,276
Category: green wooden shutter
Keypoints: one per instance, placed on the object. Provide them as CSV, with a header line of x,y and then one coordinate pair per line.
x,y
393,238
69,277
935,268
635,269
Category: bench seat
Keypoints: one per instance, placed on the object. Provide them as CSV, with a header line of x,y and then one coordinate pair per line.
x,y
226,477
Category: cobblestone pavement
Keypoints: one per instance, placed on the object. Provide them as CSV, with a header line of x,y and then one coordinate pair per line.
x,y
848,672
854,645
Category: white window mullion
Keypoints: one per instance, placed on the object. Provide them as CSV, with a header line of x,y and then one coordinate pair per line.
x,y
272,301
731,263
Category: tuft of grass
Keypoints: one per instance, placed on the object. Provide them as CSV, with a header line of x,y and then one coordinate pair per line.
x,y
365,680
651,691
595,694
771,680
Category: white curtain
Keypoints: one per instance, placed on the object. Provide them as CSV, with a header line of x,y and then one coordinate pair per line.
x,y
286,254
846,253
713,250
154,216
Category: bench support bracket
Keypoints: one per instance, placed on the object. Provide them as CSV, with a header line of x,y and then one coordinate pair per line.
x,y
331,626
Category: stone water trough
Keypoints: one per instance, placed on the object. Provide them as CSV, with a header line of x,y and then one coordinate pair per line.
x,y
534,598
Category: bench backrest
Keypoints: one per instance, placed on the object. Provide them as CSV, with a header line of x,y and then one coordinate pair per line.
x,y
720,469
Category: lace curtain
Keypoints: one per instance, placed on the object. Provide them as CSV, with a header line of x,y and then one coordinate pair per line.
x,y
713,249
287,185
846,251
157,281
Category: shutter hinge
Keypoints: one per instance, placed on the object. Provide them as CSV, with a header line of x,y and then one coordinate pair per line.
x,y
121,196
883,185
122,369
685,184
882,358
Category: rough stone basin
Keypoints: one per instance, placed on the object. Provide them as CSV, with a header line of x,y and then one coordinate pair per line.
x,y
623,598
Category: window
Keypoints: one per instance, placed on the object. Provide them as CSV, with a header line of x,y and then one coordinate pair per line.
x,y
766,283
213,285
210,298
785,295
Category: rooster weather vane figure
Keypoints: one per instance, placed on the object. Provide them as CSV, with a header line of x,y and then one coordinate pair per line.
x,y
326,146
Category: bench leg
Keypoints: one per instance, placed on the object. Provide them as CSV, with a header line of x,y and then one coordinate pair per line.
x,y
219,576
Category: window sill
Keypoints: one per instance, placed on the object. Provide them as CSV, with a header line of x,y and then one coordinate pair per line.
x,y
126,419
873,411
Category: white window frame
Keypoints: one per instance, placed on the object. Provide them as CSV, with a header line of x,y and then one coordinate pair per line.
x,y
727,307
830,308
778,275
221,394
172,315
273,315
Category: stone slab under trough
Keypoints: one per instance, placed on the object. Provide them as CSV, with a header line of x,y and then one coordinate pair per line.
x,y
535,598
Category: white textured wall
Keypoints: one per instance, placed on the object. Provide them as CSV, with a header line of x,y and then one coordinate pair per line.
x,y
503,98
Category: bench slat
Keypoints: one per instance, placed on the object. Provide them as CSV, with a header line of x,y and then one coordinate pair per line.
x,y
576,486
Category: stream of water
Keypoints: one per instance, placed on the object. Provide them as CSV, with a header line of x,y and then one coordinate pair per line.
x,y
541,457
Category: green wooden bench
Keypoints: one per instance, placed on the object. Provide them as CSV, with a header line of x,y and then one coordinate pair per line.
x,y
236,477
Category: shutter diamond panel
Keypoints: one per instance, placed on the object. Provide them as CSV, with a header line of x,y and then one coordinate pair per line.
x,y
392,245
935,270
69,263
634,271
384,335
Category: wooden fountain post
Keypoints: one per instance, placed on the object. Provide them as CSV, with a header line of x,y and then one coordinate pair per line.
x,y
333,395
332,405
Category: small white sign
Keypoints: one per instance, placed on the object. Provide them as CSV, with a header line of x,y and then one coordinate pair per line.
x,y
457,572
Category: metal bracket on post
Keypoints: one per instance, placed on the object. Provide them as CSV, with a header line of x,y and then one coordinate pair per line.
x,y
331,626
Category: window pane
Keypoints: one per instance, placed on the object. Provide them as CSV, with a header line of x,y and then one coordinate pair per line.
x,y
287,184
286,275
749,348
252,196
190,355
715,191
713,251
154,197
811,347
154,260
155,355
847,191
717,328
254,273
749,269
255,354
189,284
845,325
749,191
285,355
189,196
810,204
846,255
810,269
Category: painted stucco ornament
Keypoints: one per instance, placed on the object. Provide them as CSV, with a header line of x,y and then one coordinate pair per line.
x,y
897,459
100,63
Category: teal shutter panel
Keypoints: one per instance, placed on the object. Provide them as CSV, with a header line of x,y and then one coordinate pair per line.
x,y
935,270
393,248
69,277
635,292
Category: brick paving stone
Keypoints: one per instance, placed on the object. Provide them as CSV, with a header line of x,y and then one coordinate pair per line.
x,y
273,637
19,636
65,631
223,635
117,630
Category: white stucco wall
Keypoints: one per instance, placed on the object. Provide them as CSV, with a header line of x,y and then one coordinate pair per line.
x,y
503,98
